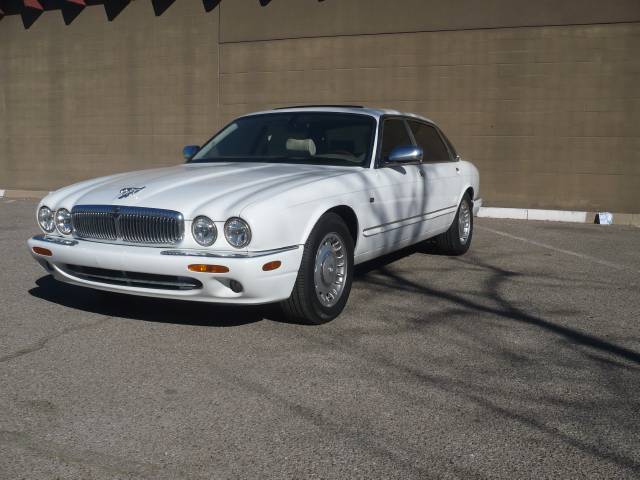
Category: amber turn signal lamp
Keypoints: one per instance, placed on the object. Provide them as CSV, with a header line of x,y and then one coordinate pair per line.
x,y
267,267
42,251
208,268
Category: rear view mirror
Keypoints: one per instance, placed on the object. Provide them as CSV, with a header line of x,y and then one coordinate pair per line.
x,y
406,154
189,151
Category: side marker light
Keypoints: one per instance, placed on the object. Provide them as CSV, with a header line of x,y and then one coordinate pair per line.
x,y
202,268
267,267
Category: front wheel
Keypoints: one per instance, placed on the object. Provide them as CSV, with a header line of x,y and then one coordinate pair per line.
x,y
325,276
457,239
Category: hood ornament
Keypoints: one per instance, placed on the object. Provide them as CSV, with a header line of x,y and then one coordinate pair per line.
x,y
128,191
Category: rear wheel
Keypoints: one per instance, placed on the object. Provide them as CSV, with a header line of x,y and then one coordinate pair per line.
x,y
325,276
457,239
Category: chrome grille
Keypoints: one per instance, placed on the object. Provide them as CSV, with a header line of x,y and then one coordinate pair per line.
x,y
94,222
110,223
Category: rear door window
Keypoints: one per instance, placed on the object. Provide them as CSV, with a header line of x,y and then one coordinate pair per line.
x,y
452,149
429,139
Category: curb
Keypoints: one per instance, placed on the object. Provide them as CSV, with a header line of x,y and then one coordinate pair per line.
x,y
34,194
555,215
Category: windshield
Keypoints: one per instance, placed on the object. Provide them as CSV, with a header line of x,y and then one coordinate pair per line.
x,y
318,138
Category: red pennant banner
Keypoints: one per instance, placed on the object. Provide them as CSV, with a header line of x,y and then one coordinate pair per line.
x,y
35,4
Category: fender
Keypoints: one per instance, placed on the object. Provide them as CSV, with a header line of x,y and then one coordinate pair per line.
x,y
320,212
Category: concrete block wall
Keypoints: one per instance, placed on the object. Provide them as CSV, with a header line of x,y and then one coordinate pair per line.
x,y
543,96
96,97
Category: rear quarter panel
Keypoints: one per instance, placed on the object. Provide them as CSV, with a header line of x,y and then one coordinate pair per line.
x,y
470,179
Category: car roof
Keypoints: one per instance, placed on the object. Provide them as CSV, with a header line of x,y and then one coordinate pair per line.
x,y
373,112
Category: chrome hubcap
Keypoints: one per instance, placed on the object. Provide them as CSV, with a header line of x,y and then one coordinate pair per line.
x,y
464,222
330,269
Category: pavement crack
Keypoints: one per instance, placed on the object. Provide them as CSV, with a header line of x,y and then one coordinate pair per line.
x,y
40,344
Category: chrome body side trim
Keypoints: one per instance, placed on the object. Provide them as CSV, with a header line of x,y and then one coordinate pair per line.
x,y
57,240
405,222
227,254
182,253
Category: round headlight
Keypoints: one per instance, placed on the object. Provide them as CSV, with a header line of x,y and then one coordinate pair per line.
x,y
204,231
45,219
237,232
63,221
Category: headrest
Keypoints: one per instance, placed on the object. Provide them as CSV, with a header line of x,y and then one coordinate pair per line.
x,y
305,145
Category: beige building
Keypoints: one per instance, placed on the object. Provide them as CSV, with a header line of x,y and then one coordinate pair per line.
x,y
543,96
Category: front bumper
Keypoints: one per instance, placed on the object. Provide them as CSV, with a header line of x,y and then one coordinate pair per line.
x,y
258,286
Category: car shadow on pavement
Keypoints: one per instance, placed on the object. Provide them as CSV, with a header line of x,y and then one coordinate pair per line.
x,y
427,247
149,309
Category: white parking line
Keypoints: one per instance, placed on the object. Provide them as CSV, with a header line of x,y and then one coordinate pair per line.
x,y
560,250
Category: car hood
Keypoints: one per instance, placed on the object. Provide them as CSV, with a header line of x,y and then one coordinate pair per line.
x,y
223,188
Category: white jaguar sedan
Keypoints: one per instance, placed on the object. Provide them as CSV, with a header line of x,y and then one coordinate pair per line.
x,y
277,207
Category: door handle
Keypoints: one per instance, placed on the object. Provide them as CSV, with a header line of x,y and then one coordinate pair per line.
x,y
458,170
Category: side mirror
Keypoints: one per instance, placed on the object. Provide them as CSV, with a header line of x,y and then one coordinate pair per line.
x,y
189,151
406,154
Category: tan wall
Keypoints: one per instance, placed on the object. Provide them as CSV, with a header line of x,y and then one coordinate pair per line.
x,y
97,97
245,20
550,114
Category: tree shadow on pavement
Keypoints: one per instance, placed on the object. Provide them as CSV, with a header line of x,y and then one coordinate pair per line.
x,y
503,307
576,386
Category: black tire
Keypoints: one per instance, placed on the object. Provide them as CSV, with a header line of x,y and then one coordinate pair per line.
x,y
449,242
303,306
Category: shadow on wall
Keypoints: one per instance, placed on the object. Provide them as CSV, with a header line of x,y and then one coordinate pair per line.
x,y
30,10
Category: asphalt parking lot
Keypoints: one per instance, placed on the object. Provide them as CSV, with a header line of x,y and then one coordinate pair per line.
x,y
519,360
